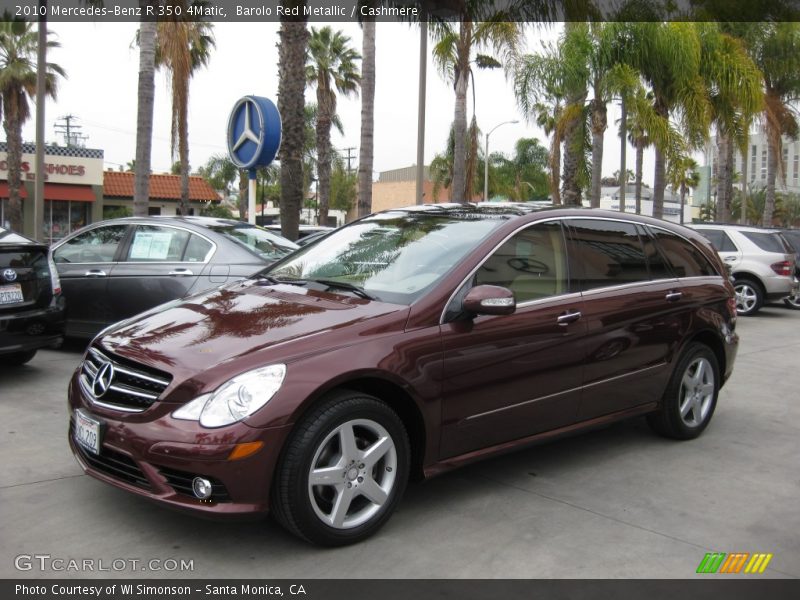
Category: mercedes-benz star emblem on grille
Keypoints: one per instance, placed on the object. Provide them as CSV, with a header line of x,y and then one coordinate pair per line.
x,y
102,379
10,275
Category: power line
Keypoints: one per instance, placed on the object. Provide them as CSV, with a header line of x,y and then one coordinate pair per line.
x,y
71,133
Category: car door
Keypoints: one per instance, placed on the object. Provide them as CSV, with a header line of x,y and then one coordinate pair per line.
x,y
633,310
508,377
724,245
160,263
85,264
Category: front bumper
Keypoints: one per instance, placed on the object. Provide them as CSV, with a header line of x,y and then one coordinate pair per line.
x,y
32,329
155,456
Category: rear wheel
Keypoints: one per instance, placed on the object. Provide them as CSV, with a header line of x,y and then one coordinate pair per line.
x,y
749,297
17,358
793,302
343,471
691,395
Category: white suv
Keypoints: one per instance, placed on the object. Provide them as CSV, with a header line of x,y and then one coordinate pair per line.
x,y
761,263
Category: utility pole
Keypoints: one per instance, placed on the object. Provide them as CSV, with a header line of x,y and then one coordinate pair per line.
x,y
350,157
71,133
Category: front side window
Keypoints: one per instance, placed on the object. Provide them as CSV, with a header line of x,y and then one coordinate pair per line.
x,y
532,264
98,245
606,253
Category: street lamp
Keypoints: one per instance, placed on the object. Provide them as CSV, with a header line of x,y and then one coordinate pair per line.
x,y
486,160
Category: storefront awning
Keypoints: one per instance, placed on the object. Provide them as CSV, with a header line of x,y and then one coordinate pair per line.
x,y
60,191
4,190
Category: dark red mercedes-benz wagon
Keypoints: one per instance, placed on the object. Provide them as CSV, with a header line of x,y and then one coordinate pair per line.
x,y
407,343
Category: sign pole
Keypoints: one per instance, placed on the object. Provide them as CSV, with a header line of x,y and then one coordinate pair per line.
x,y
251,197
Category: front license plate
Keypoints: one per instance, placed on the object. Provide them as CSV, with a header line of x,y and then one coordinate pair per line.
x,y
11,294
87,432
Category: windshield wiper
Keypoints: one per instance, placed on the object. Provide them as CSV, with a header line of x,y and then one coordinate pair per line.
x,y
344,285
274,280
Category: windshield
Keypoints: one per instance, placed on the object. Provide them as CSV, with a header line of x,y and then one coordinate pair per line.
x,y
267,245
394,256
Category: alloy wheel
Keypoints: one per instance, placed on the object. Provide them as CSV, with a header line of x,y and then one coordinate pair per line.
x,y
697,392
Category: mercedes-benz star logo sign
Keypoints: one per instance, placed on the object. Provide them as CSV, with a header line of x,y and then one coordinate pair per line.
x,y
102,379
247,133
10,275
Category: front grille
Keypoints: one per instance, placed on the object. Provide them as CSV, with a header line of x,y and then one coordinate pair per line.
x,y
181,482
123,385
114,464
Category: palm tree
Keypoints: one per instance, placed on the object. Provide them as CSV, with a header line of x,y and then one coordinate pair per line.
x,y
291,87
682,174
182,47
144,113
18,53
775,49
331,67
668,56
366,151
454,45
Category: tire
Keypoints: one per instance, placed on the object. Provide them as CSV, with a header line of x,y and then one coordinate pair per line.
x,y
357,493
749,297
17,358
690,397
793,302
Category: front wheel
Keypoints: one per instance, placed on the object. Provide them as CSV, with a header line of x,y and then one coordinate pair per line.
x,y
343,471
690,397
18,358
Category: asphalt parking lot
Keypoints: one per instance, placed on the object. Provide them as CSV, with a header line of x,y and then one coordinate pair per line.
x,y
619,502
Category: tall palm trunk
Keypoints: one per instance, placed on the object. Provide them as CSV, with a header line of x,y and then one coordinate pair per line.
x,y
724,177
460,114
291,105
472,159
639,168
599,123
573,157
745,161
659,173
772,174
367,120
623,159
244,190
183,153
144,117
13,127
324,118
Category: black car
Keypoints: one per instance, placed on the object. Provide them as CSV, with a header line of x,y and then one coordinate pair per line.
x,y
115,269
31,306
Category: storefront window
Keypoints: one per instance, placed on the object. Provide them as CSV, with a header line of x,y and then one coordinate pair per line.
x,y
62,217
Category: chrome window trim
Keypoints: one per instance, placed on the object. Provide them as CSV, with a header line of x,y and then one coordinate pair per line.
x,y
87,229
683,237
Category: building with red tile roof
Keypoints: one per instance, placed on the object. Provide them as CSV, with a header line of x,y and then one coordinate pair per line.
x,y
165,192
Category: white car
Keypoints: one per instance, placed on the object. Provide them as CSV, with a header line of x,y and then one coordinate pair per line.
x,y
761,263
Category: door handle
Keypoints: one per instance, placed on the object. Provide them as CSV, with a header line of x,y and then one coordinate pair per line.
x,y
568,318
731,259
181,273
673,296
95,273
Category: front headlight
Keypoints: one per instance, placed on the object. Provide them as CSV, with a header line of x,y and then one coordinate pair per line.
x,y
236,399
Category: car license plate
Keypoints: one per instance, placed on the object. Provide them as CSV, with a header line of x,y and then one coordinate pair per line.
x,y
87,432
11,294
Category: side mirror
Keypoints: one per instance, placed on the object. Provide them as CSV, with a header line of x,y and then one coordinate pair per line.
x,y
490,300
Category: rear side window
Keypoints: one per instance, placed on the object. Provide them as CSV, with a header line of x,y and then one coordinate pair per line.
x,y
719,239
683,257
606,253
157,244
768,242
197,250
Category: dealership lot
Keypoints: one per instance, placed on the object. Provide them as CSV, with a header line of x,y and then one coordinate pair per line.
x,y
619,502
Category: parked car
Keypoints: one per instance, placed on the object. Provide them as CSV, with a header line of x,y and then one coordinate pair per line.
x,y
761,263
793,237
31,305
402,345
118,268
304,231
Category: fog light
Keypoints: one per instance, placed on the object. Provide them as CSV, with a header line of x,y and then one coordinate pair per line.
x,y
201,488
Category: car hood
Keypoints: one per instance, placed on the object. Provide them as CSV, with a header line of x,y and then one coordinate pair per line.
x,y
215,335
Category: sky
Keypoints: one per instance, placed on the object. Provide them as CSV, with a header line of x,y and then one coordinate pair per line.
x,y
102,78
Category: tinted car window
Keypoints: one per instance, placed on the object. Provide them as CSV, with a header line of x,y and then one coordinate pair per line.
x,y
157,244
197,249
606,253
659,269
719,239
98,245
683,257
768,242
532,264
257,240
